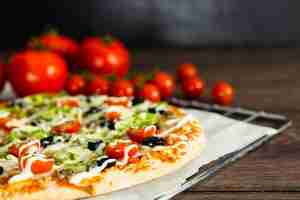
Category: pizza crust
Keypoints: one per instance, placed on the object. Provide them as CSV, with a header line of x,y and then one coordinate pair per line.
x,y
113,179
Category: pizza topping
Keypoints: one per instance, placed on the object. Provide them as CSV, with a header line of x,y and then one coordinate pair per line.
x,y
123,152
68,102
153,141
1,170
46,141
94,145
102,160
70,127
112,116
178,125
32,164
29,148
77,178
137,100
139,135
92,110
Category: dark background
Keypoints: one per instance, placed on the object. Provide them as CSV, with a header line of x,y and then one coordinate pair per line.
x,y
156,23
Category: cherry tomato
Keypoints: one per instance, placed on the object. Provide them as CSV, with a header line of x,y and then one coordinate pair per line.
x,y
117,151
42,166
138,135
187,71
122,88
150,92
33,72
70,127
3,124
112,116
165,83
98,86
75,84
104,56
71,103
13,150
38,166
63,45
223,93
193,88
117,101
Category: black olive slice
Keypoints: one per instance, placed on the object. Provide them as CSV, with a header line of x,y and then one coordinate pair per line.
x,y
152,110
46,141
94,145
102,160
136,100
153,141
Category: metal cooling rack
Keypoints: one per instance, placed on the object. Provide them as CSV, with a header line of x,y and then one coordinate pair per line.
x,y
278,122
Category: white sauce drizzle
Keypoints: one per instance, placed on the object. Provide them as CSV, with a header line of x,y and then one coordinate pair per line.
x,y
26,173
124,161
183,121
149,128
33,146
77,178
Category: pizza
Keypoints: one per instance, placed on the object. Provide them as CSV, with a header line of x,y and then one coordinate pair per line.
x,y
70,147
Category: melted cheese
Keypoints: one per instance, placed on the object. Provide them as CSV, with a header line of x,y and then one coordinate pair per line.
x,y
77,178
179,124
163,148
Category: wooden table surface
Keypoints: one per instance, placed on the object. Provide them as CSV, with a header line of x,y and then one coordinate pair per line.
x,y
265,79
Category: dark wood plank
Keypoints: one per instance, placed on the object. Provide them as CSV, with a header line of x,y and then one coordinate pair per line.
x,y
238,196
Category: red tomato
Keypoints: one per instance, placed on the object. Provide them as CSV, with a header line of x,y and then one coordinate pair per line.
x,y
112,116
38,166
42,166
138,135
3,125
187,71
60,44
223,93
94,61
67,127
165,83
105,56
122,88
33,72
150,92
75,84
137,80
71,103
118,151
117,101
193,88
13,150
98,86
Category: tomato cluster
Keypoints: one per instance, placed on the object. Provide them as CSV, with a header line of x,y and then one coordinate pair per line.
x,y
97,65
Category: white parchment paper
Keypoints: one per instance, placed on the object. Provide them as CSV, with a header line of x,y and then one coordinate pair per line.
x,y
223,135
